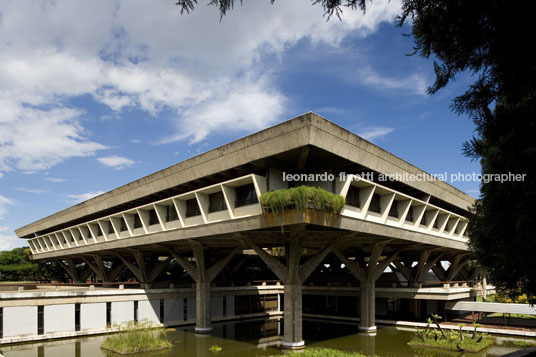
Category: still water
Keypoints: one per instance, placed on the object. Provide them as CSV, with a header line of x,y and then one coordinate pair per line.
x,y
262,338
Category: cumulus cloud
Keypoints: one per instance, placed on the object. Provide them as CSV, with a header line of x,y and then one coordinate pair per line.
x,y
374,133
135,54
117,162
81,197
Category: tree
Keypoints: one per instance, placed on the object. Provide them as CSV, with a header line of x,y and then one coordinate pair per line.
x,y
16,266
494,41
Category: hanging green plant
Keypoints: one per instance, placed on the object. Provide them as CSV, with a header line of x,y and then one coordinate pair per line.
x,y
300,198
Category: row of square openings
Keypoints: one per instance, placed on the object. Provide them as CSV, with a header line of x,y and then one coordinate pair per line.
x,y
352,199
245,195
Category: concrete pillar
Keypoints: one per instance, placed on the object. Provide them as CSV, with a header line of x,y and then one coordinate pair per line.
x,y
202,308
367,305
293,317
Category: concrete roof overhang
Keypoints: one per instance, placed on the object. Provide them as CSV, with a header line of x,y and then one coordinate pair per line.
x,y
307,143
353,235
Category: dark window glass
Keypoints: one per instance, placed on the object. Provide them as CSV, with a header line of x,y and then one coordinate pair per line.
x,y
436,222
375,205
89,234
123,225
108,313
135,311
192,208
393,211
171,213
245,195
40,320
99,230
409,217
137,221
352,198
216,202
77,317
1,322
161,311
153,218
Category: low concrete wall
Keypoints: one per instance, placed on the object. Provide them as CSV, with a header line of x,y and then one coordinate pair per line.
x,y
20,323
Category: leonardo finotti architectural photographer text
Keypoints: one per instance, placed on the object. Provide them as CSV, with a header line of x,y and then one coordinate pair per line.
x,y
407,177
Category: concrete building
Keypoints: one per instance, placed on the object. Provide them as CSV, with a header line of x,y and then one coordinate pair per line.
x,y
204,213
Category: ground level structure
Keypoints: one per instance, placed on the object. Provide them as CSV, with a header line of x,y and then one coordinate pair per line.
x,y
396,247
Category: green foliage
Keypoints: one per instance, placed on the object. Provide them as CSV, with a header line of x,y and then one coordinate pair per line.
x,y
450,339
137,337
301,197
15,265
215,348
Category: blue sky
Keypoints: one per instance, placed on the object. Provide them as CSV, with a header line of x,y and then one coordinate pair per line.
x,y
95,94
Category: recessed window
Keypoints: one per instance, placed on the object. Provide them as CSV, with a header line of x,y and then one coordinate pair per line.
x,y
436,224
99,230
192,208
153,218
423,220
171,213
137,221
40,320
110,228
352,197
245,195
409,217
122,225
216,202
375,204
393,211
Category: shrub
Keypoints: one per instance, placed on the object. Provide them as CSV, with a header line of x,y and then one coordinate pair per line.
x,y
300,198
137,337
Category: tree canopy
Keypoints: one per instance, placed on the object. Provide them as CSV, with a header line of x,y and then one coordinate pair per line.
x,y
493,40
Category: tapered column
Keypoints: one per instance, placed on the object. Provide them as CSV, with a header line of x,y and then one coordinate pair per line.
x,y
293,276
202,308
202,277
367,276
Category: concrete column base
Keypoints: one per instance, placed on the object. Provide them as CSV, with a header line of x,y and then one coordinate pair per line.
x,y
293,345
203,330
293,317
371,329
202,308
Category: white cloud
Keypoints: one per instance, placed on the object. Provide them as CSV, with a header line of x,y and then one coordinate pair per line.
x,y
4,203
4,228
8,242
81,197
374,133
143,54
1,175
117,162
32,190
413,84
54,179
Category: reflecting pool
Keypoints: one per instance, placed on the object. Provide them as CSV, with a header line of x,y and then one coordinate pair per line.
x,y
263,338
